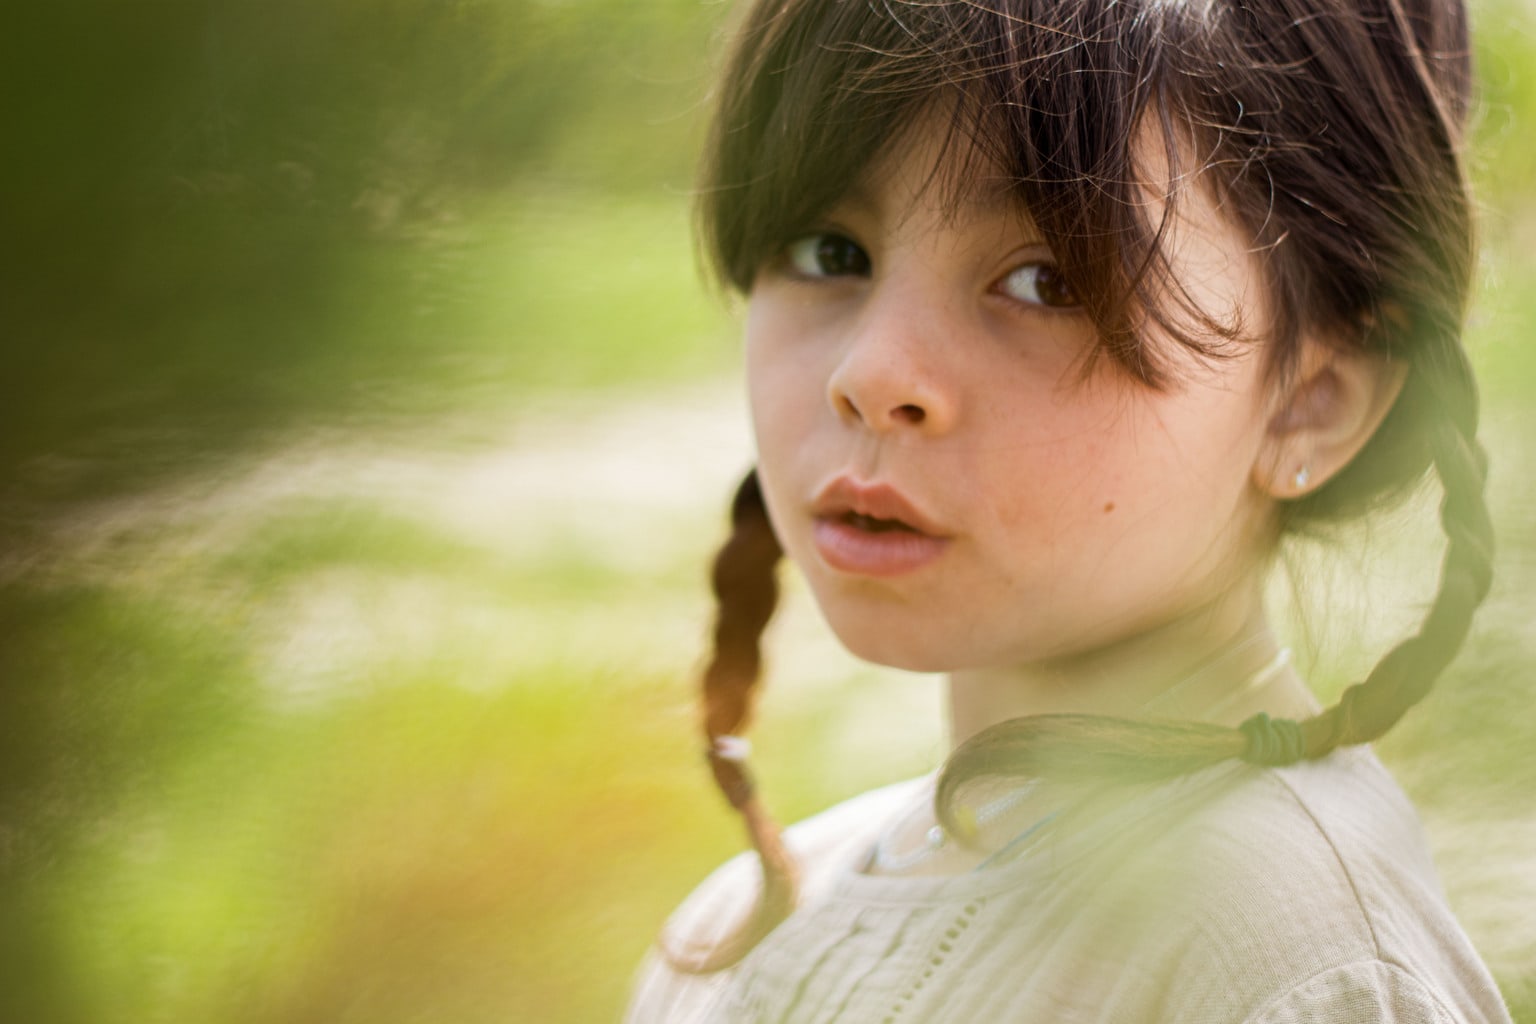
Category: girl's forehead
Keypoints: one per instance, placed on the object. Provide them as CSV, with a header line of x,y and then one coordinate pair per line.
x,y
937,163
933,165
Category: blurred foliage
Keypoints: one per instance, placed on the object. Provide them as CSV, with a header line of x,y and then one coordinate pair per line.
x,y
312,754
228,215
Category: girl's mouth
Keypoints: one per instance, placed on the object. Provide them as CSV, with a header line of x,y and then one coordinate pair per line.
x,y
875,507
871,524
865,545
872,529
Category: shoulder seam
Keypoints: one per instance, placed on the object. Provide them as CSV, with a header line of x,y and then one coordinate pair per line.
x,y
1444,1012
1354,889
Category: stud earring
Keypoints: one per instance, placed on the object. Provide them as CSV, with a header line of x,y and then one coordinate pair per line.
x,y
1303,477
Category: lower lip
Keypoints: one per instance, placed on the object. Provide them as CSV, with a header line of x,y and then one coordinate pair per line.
x,y
890,553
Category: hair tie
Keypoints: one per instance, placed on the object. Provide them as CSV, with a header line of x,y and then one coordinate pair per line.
x,y
730,748
727,756
1273,742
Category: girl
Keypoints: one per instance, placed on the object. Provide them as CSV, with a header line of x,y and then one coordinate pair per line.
x,y
1060,314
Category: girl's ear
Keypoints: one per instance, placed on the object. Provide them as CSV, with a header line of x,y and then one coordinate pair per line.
x,y
1324,415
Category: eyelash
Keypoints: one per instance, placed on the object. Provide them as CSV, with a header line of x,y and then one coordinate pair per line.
x,y
806,257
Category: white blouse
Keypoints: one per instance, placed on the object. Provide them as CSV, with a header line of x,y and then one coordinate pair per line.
x,y
1236,894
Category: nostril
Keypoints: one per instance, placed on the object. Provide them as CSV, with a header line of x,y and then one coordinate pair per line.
x,y
910,413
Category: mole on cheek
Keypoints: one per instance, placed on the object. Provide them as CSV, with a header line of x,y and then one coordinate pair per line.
x,y
1109,507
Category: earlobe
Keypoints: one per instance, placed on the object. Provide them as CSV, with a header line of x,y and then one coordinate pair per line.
x,y
1326,413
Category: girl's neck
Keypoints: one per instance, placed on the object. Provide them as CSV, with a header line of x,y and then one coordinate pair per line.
x,y
1194,667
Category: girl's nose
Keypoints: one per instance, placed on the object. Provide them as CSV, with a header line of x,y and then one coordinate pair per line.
x,y
886,381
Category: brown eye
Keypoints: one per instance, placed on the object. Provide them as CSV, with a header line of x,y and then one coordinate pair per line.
x,y
827,255
1040,284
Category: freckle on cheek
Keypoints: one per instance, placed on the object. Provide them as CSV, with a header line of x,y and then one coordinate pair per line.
x,y
1109,507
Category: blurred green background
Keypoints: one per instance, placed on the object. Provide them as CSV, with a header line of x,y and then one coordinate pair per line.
x,y
364,431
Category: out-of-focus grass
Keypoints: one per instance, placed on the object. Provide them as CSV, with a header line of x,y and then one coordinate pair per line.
x,y
417,852
441,821
535,293
510,298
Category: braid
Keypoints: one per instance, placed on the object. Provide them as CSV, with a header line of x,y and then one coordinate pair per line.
x,y
1402,678
746,592
1066,745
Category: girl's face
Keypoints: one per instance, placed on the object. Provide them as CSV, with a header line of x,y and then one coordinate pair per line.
x,y
915,362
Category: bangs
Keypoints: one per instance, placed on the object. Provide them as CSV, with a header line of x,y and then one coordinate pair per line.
x,y
1053,95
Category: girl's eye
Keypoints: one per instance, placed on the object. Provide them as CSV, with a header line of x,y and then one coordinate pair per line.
x,y
827,255
1040,284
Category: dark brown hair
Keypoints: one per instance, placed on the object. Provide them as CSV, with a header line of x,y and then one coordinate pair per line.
x,y
1331,130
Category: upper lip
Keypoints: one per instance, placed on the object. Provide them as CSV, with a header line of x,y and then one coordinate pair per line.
x,y
846,495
